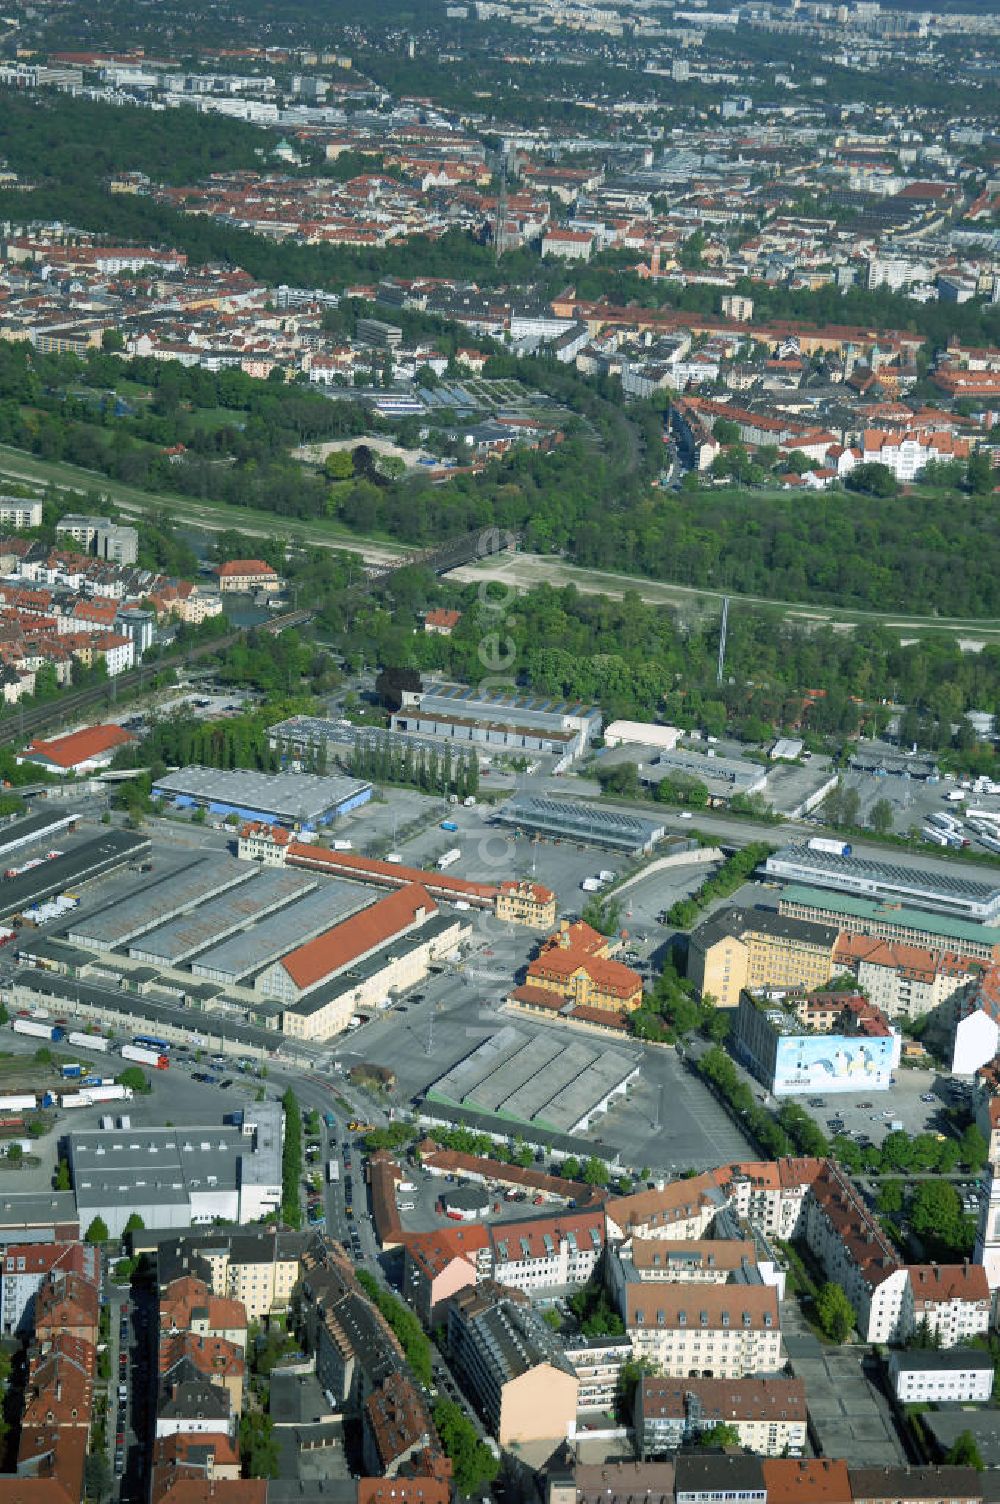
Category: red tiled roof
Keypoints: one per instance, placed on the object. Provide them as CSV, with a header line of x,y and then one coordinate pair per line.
x,y
239,567
80,746
337,948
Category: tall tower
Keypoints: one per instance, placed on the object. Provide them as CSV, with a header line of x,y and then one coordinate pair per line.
x,y
500,225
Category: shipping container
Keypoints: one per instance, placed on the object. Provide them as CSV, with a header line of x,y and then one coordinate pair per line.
x,y
72,1070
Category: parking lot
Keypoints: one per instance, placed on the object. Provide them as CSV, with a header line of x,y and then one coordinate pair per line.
x,y
868,1115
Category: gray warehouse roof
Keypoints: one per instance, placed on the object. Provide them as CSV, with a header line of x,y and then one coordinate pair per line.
x,y
120,922
296,798
94,858
949,892
173,942
554,1083
594,824
275,936
32,828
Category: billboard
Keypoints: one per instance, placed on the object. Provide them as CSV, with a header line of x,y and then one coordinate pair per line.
x,y
832,1062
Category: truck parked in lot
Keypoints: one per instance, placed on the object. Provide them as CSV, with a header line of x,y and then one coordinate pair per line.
x,y
87,1041
37,1029
448,859
332,1170
143,1056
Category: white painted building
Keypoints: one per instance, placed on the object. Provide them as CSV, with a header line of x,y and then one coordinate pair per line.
x,y
961,1375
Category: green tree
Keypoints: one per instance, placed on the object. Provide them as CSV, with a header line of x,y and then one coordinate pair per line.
x,y
135,1223
135,1079
473,1464
720,1435
97,1475
62,1181
97,1232
881,817
974,1151
15,1153
965,1452
339,464
595,1171
258,1445
834,1312
891,1196
936,1216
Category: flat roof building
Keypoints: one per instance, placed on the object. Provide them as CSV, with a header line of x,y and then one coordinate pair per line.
x,y
540,1079
179,1177
297,799
88,860
478,718
970,898
176,941
722,776
203,879
591,824
886,920
231,960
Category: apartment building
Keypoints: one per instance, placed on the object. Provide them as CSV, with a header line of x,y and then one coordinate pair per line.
x,y
513,1365
770,1194
691,1261
679,1209
99,535
769,1414
711,1478
598,1363
437,1265
714,1331
258,1267
820,1480
547,1252
856,1254
758,948
25,1267
962,1376
18,513
916,1485
952,1299
904,981
396,1426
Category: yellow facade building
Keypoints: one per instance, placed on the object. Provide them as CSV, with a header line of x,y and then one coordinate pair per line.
x,y
758,948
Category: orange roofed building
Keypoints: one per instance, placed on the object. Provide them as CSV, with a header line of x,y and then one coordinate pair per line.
x,y
574,968
237,576
79,752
